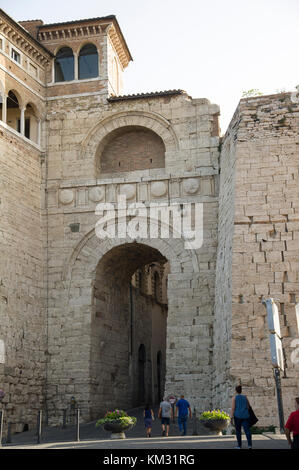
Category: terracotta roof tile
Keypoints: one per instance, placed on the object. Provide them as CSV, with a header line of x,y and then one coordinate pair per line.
x,y
155,94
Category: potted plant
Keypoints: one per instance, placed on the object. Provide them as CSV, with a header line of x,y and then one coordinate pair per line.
x,y
215,420
117,422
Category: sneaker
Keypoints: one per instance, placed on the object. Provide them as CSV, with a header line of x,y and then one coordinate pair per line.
x,y
237,447
163,433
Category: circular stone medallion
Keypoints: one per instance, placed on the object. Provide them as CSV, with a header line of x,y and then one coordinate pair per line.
x,y
66,196
96,194
128,190
191,185
158,188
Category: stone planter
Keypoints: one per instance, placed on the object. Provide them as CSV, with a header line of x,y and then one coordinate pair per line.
x,y
215,425
117,429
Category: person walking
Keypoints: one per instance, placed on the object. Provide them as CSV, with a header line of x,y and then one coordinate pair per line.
x,y
292,426
148,416
182,409
240,417
165,413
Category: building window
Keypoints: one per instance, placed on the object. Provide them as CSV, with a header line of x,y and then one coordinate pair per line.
x,y
27,127
16,56
64,65
88,62
1,43
13,110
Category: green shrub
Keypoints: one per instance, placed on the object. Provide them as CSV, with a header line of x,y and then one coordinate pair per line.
x,y
214,414
117,415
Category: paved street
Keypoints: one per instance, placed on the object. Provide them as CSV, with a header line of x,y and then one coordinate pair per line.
x,y
96,438
180,442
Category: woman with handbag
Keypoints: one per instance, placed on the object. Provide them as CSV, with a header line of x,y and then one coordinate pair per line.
x,y
240,417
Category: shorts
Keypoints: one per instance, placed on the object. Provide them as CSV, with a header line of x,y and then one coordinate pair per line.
x,y
165,421
148,422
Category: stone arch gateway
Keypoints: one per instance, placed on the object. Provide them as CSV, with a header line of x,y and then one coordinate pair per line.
x,y
103,322
87,357
51,263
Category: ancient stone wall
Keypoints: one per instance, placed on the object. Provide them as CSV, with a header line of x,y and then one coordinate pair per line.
x,y
262,139
76,129
223,287
23,324
72,323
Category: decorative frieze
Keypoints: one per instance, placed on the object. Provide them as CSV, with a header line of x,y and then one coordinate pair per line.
x,y
186,189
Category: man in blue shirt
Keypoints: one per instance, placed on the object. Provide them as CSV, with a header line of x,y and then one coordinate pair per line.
x,y
182,407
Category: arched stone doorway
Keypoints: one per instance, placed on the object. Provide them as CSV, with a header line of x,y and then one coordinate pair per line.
x,y
129,328
103,283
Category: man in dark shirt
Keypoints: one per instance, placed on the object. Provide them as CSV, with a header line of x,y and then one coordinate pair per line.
x,y
182,406
292,425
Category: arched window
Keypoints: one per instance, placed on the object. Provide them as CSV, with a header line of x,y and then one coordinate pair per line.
x,y
64,65
141,149
13,111
88,62
31,123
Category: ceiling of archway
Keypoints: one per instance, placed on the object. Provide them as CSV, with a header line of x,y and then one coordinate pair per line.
x,y
122,261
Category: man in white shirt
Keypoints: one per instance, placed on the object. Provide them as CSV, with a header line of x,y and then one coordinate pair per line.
x,y
165,413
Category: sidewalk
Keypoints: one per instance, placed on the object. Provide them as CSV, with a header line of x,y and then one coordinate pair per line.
x,y
97,438
180,442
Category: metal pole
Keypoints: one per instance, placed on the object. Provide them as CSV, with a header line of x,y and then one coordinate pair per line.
x,y
276,350
78,425
1,426
8,439
39,426
195,432
279,399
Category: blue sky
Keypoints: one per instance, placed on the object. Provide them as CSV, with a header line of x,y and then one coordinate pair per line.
x,y
213,49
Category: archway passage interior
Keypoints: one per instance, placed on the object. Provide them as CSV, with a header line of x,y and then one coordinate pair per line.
x,y
128,350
